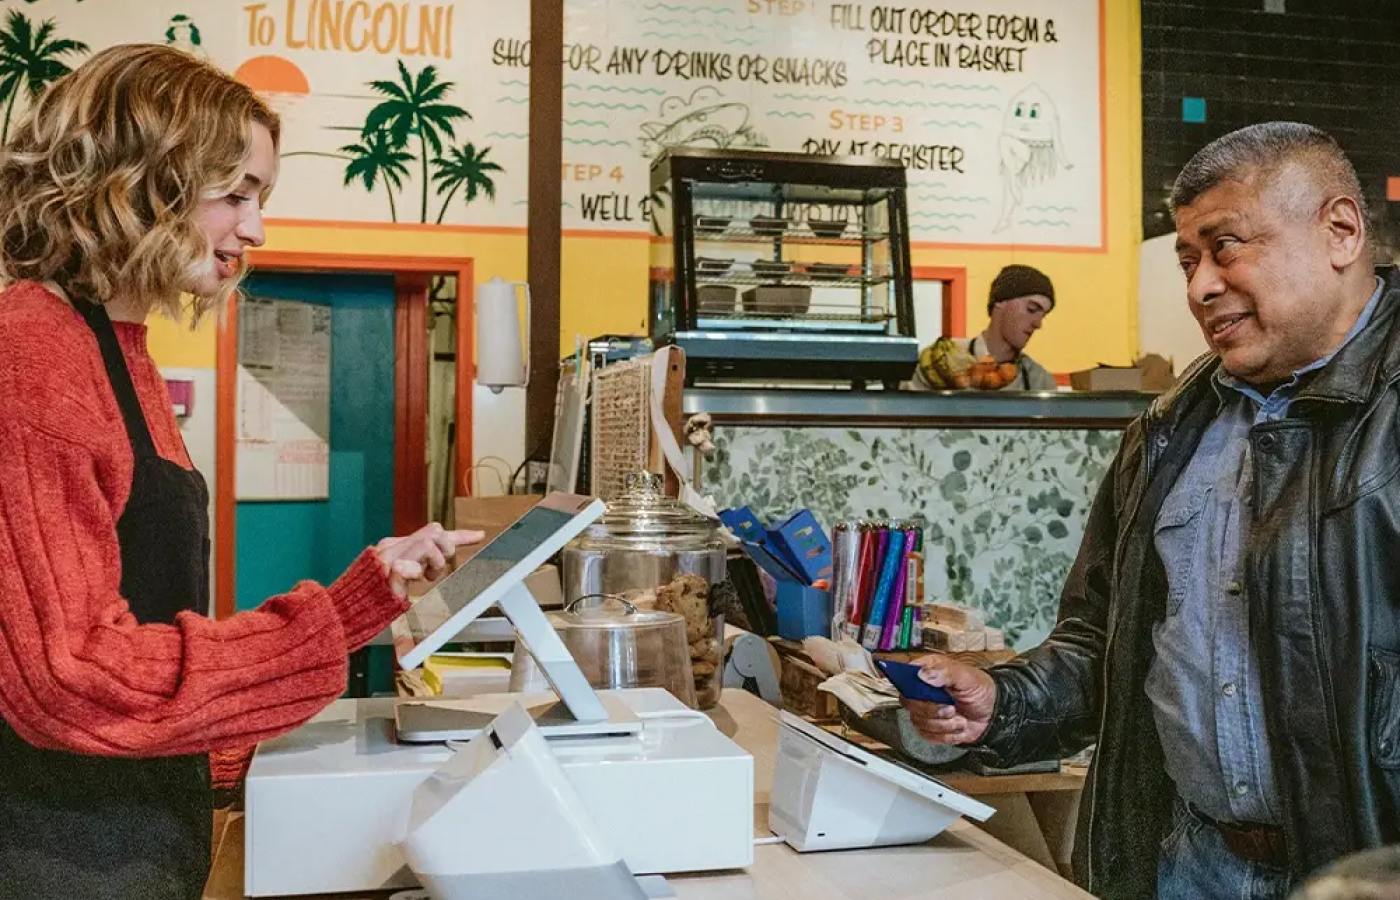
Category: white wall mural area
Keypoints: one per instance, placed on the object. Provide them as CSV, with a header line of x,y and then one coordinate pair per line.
x,y
417,111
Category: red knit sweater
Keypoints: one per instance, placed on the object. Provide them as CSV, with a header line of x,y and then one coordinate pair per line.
x,y
76,670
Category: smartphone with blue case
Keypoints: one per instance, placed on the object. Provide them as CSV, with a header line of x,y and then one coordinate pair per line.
x,y
906,680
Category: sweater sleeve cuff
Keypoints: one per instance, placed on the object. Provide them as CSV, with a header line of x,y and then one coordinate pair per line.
x,y
363,600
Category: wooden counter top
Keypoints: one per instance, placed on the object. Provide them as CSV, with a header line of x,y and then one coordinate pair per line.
x,y
962,862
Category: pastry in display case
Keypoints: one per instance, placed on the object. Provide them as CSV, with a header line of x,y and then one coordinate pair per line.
x,y
780,266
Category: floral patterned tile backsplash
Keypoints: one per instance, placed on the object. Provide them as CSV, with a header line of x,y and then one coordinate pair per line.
x,y
1003,510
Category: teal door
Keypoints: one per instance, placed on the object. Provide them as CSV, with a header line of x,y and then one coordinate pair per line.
x,y
279,543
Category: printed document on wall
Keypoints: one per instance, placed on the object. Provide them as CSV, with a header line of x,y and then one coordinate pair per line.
x,y
284,409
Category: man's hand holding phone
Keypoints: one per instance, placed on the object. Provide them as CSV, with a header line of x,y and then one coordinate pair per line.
x,y
960,712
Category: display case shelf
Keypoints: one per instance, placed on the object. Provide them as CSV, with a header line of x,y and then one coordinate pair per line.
x,y
795,279
791,235
814,314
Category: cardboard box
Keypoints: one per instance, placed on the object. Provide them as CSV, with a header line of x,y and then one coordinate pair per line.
x,y
1150,373
1107,378
1157,373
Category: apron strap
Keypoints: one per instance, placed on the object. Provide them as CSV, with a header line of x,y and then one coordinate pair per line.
x,y
119,375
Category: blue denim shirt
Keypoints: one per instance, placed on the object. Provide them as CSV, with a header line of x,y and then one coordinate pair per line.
x,y
1204,679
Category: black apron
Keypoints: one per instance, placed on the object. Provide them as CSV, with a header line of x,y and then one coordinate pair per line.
x,y
74,826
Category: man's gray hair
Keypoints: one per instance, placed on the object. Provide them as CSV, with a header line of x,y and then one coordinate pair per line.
x,y
1261,151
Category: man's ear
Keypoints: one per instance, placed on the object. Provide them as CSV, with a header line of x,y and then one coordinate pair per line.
x,y
1345,229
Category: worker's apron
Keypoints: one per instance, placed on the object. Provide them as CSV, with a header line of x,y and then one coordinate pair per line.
x,y
79,827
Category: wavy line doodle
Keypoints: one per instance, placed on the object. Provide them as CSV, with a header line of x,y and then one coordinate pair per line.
x,y
942,198
1049,208
515,82
886,101
519,101
948,123
1054,223
698,23
788,114
586,123
508,135
613,89
599,142
936,86
946,104
667,7
949,228
815,98
1030,148
586,104
928,214
682,36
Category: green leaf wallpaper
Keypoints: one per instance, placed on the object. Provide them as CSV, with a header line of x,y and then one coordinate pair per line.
x,y
1003,510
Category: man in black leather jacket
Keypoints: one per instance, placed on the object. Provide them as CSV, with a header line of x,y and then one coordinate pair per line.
x,y
1229,635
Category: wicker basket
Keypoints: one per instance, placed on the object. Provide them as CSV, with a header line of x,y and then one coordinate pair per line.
x,y
798,683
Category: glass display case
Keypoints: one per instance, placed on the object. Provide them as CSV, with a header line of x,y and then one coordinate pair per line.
x,y
780,266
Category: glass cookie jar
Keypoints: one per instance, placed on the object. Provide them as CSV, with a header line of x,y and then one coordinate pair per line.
x,y
657,553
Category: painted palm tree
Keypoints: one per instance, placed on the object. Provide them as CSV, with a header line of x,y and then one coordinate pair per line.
x,y
413,107
378,158
464,166
30,60
656,205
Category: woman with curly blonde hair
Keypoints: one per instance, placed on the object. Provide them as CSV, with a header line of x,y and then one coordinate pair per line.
x,y
133,183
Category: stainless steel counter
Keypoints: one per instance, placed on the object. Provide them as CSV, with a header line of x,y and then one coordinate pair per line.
x,y
917,409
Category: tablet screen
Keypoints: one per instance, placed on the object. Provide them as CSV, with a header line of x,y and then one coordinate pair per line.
x,y
480,581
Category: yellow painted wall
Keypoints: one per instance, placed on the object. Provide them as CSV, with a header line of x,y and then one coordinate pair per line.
x,y
174,345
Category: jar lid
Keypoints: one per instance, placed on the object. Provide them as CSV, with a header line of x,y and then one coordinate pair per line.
x,y
603,612
643,512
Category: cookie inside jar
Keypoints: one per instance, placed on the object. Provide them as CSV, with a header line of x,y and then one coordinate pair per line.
x,y
658,554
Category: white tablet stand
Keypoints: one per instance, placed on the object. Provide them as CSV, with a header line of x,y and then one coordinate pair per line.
x,y
579,710
829,794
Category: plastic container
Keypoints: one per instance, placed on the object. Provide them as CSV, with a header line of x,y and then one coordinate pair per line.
x,y
617,646
657,553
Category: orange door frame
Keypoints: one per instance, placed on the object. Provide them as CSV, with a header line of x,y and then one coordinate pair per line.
x,y
954,295
411,365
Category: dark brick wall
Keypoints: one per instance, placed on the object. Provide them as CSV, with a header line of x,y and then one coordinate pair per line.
x,y
1332,64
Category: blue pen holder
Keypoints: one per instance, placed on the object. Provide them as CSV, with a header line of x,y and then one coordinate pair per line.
x,y
802,611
